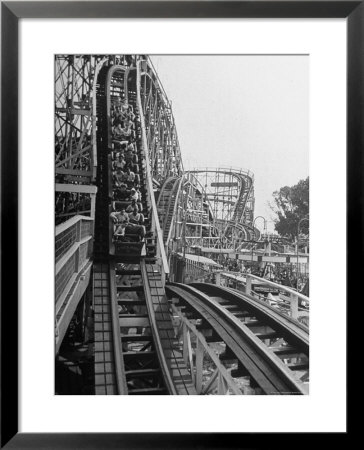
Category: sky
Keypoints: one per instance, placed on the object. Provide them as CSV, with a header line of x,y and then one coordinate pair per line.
x,y
243,111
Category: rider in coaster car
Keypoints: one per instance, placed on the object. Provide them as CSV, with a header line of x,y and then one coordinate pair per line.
x,y
132,206
119,217
119,233
118,131
131,114
119,163
122,192
129,176
135,221
134,195
136,217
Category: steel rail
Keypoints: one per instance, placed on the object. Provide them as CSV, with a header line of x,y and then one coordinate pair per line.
x,y
266,368
281,287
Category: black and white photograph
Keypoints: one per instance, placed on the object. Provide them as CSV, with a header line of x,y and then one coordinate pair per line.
x,y
182,247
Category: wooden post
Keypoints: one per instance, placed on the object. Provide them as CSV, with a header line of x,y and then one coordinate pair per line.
x,y
93,209
199,366
221,385
185,345
269,248
190,356
294,306
248,287
77,259
78,230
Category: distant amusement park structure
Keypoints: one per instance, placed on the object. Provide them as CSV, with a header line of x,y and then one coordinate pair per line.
x,y
146,252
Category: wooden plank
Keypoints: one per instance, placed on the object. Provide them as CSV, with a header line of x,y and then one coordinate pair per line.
x,y
134,322
81,188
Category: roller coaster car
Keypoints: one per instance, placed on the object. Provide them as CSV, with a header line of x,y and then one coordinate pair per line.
x,y
128,248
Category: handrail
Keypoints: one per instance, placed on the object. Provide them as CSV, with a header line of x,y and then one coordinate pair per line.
x,y
154,328
69,253
149,179
277,286
72,221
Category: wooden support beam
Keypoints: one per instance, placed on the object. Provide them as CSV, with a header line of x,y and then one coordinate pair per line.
x,y
199,366
221,385
211,384
79,188
81,173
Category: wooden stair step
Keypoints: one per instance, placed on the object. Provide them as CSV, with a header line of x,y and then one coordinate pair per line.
x,y
133,321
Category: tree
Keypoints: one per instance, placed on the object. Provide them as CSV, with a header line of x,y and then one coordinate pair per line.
x,y
291,204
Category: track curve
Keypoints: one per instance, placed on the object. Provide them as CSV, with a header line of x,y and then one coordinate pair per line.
x,y
260,340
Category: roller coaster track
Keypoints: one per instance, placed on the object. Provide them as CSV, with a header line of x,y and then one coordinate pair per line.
x,y
160,130
233,204
133,331
269,348
172,196
166,204
240,214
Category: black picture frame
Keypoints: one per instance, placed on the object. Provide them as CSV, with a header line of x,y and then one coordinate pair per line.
x,y
11,12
